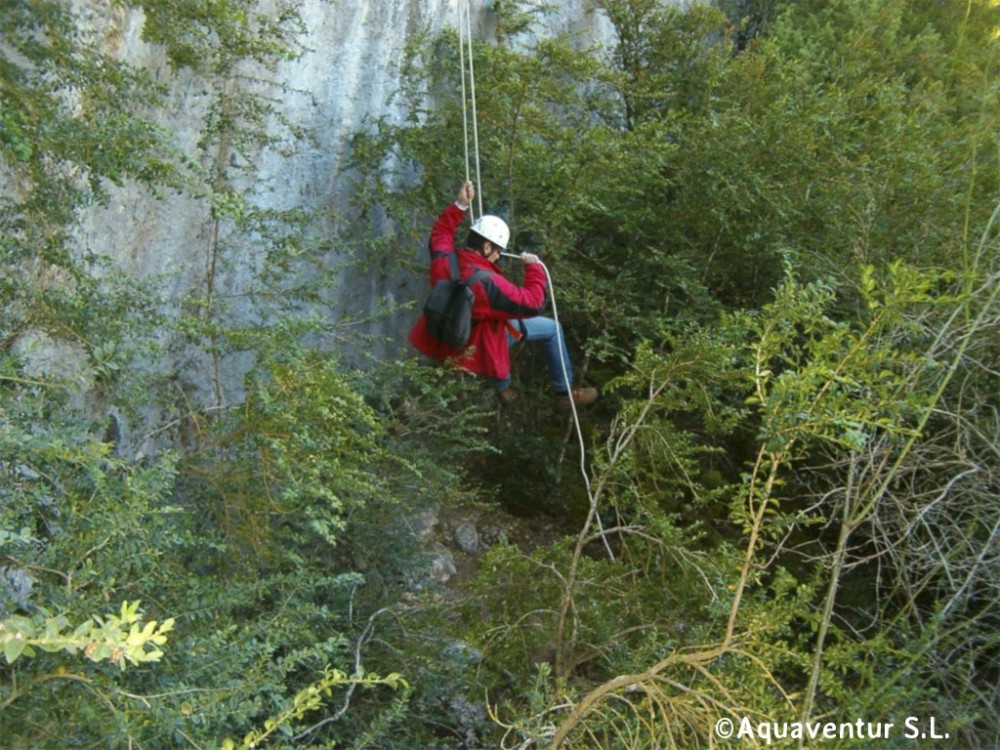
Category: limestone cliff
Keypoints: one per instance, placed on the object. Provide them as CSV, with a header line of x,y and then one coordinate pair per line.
x,y
350,69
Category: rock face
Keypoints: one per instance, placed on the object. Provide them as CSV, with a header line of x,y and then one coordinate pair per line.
x,y
467,538
351,71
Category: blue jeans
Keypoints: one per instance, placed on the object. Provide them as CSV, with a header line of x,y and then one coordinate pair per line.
x,y
549,334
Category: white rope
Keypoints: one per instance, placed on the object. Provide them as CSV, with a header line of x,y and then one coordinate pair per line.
x,y
572,404
465,39
465,122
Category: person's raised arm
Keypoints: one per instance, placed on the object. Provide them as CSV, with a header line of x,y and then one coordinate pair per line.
x,y
442,239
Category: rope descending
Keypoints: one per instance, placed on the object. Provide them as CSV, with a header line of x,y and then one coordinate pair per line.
x,y
465,39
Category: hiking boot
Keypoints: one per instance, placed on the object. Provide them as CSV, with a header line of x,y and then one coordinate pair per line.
x,y
581,397
506,397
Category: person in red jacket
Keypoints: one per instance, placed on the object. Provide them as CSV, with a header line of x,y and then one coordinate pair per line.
x,y
502,312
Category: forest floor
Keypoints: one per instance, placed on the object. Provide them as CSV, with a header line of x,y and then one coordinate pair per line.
x,y
492,524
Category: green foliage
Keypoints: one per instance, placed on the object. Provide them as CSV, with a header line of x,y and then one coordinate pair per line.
x,y
763,240
90,528
256,563
100,639
774,246
849,394
828,141
311,699
81,525
74,120
313,444
68,122
686,175
212,37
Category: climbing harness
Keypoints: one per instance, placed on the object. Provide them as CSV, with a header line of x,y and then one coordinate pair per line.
x,y
465,38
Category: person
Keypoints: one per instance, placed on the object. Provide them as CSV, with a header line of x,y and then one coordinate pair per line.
x,y
502,312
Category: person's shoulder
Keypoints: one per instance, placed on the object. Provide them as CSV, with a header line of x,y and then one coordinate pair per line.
x,y
471,258
472,262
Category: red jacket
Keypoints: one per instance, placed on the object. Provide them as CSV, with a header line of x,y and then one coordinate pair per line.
x,y
497,301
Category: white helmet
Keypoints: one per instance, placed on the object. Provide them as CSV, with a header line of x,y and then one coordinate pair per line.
x,y
494,229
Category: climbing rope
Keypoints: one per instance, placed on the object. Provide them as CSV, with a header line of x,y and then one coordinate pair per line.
x,y
572,406
465,39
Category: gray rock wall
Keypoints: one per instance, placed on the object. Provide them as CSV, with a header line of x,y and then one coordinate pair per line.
x,y
351,71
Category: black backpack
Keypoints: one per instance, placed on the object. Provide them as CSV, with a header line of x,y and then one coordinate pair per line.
x,y
448,308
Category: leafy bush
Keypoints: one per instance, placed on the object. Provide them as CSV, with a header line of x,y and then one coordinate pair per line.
x,y
774,245
773,236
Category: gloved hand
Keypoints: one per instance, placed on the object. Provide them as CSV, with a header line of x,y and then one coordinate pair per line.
x,y
529,258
